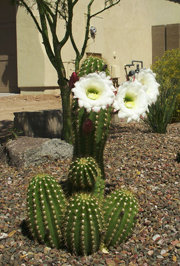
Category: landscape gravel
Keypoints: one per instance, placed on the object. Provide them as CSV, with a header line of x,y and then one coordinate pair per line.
x,y
134,158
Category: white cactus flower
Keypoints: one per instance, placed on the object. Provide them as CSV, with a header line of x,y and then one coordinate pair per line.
x,y
131,101
147,77
94,91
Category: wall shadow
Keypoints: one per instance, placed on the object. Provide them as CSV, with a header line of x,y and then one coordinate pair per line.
x,y
8,48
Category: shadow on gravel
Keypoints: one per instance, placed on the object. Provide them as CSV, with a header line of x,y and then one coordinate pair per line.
x,y
6,127
25,229
125,127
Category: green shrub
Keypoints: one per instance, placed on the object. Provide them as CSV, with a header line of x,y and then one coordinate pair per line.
x,y
160,113
167,69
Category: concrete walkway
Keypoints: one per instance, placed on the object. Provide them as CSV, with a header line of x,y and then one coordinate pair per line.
x,y
8,94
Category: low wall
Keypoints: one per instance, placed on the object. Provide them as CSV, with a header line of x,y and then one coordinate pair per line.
x,y
43,124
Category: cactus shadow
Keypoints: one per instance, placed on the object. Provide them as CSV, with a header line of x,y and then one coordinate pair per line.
x,y
25,230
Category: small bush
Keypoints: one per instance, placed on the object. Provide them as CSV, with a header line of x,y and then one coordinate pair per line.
x,y
167,69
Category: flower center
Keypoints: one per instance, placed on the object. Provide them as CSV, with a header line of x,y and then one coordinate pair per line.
x,y
93,93
142,81
129,101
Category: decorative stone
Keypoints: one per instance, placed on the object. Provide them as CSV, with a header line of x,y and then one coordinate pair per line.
x,y
26,151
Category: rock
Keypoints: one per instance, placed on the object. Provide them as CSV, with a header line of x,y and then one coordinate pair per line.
x,y
156,237
26,151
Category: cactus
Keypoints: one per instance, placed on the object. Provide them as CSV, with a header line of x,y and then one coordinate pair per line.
x,y
46,203
93,64
83,224
90,132
120,209
83,174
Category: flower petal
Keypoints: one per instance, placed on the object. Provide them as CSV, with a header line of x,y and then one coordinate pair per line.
x,y
147,77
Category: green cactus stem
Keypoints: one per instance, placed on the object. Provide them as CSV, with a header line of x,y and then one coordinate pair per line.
x,y
83,224
45,204
90,137
93,64
83,174
98,191
120,209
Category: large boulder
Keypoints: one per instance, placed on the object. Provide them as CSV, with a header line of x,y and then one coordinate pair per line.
x,y
26,151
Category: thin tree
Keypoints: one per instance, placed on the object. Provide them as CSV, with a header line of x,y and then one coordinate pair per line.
x,y
49,13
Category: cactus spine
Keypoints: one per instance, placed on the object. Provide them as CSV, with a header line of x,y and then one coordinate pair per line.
x,y
83,224
45,203
93,64
120,209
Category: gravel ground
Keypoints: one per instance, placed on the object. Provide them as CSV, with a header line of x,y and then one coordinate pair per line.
x,y
135,158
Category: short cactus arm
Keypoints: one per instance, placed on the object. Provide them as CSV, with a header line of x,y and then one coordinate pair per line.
x,y
46,202
120,209
83,224
84,175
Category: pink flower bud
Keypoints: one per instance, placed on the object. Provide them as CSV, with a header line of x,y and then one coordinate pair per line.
x,y
88,126
74,77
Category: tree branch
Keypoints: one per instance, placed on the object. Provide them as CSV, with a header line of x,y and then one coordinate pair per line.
x,y
21,2
75,2
45,33
87,28
104,9
68,24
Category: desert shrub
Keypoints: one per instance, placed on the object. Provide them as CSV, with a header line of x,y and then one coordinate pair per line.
x,y
167,69
160,113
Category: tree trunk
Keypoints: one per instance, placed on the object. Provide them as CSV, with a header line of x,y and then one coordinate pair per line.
x,y
66,106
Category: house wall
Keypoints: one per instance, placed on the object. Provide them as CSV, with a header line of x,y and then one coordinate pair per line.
x,y
124,33
131,24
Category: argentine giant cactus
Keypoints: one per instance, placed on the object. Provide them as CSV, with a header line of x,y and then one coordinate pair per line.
x,y
83,224
46,203
120,209
84,220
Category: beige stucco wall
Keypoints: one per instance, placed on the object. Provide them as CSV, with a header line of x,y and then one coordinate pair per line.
x,y
130,27
123,35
